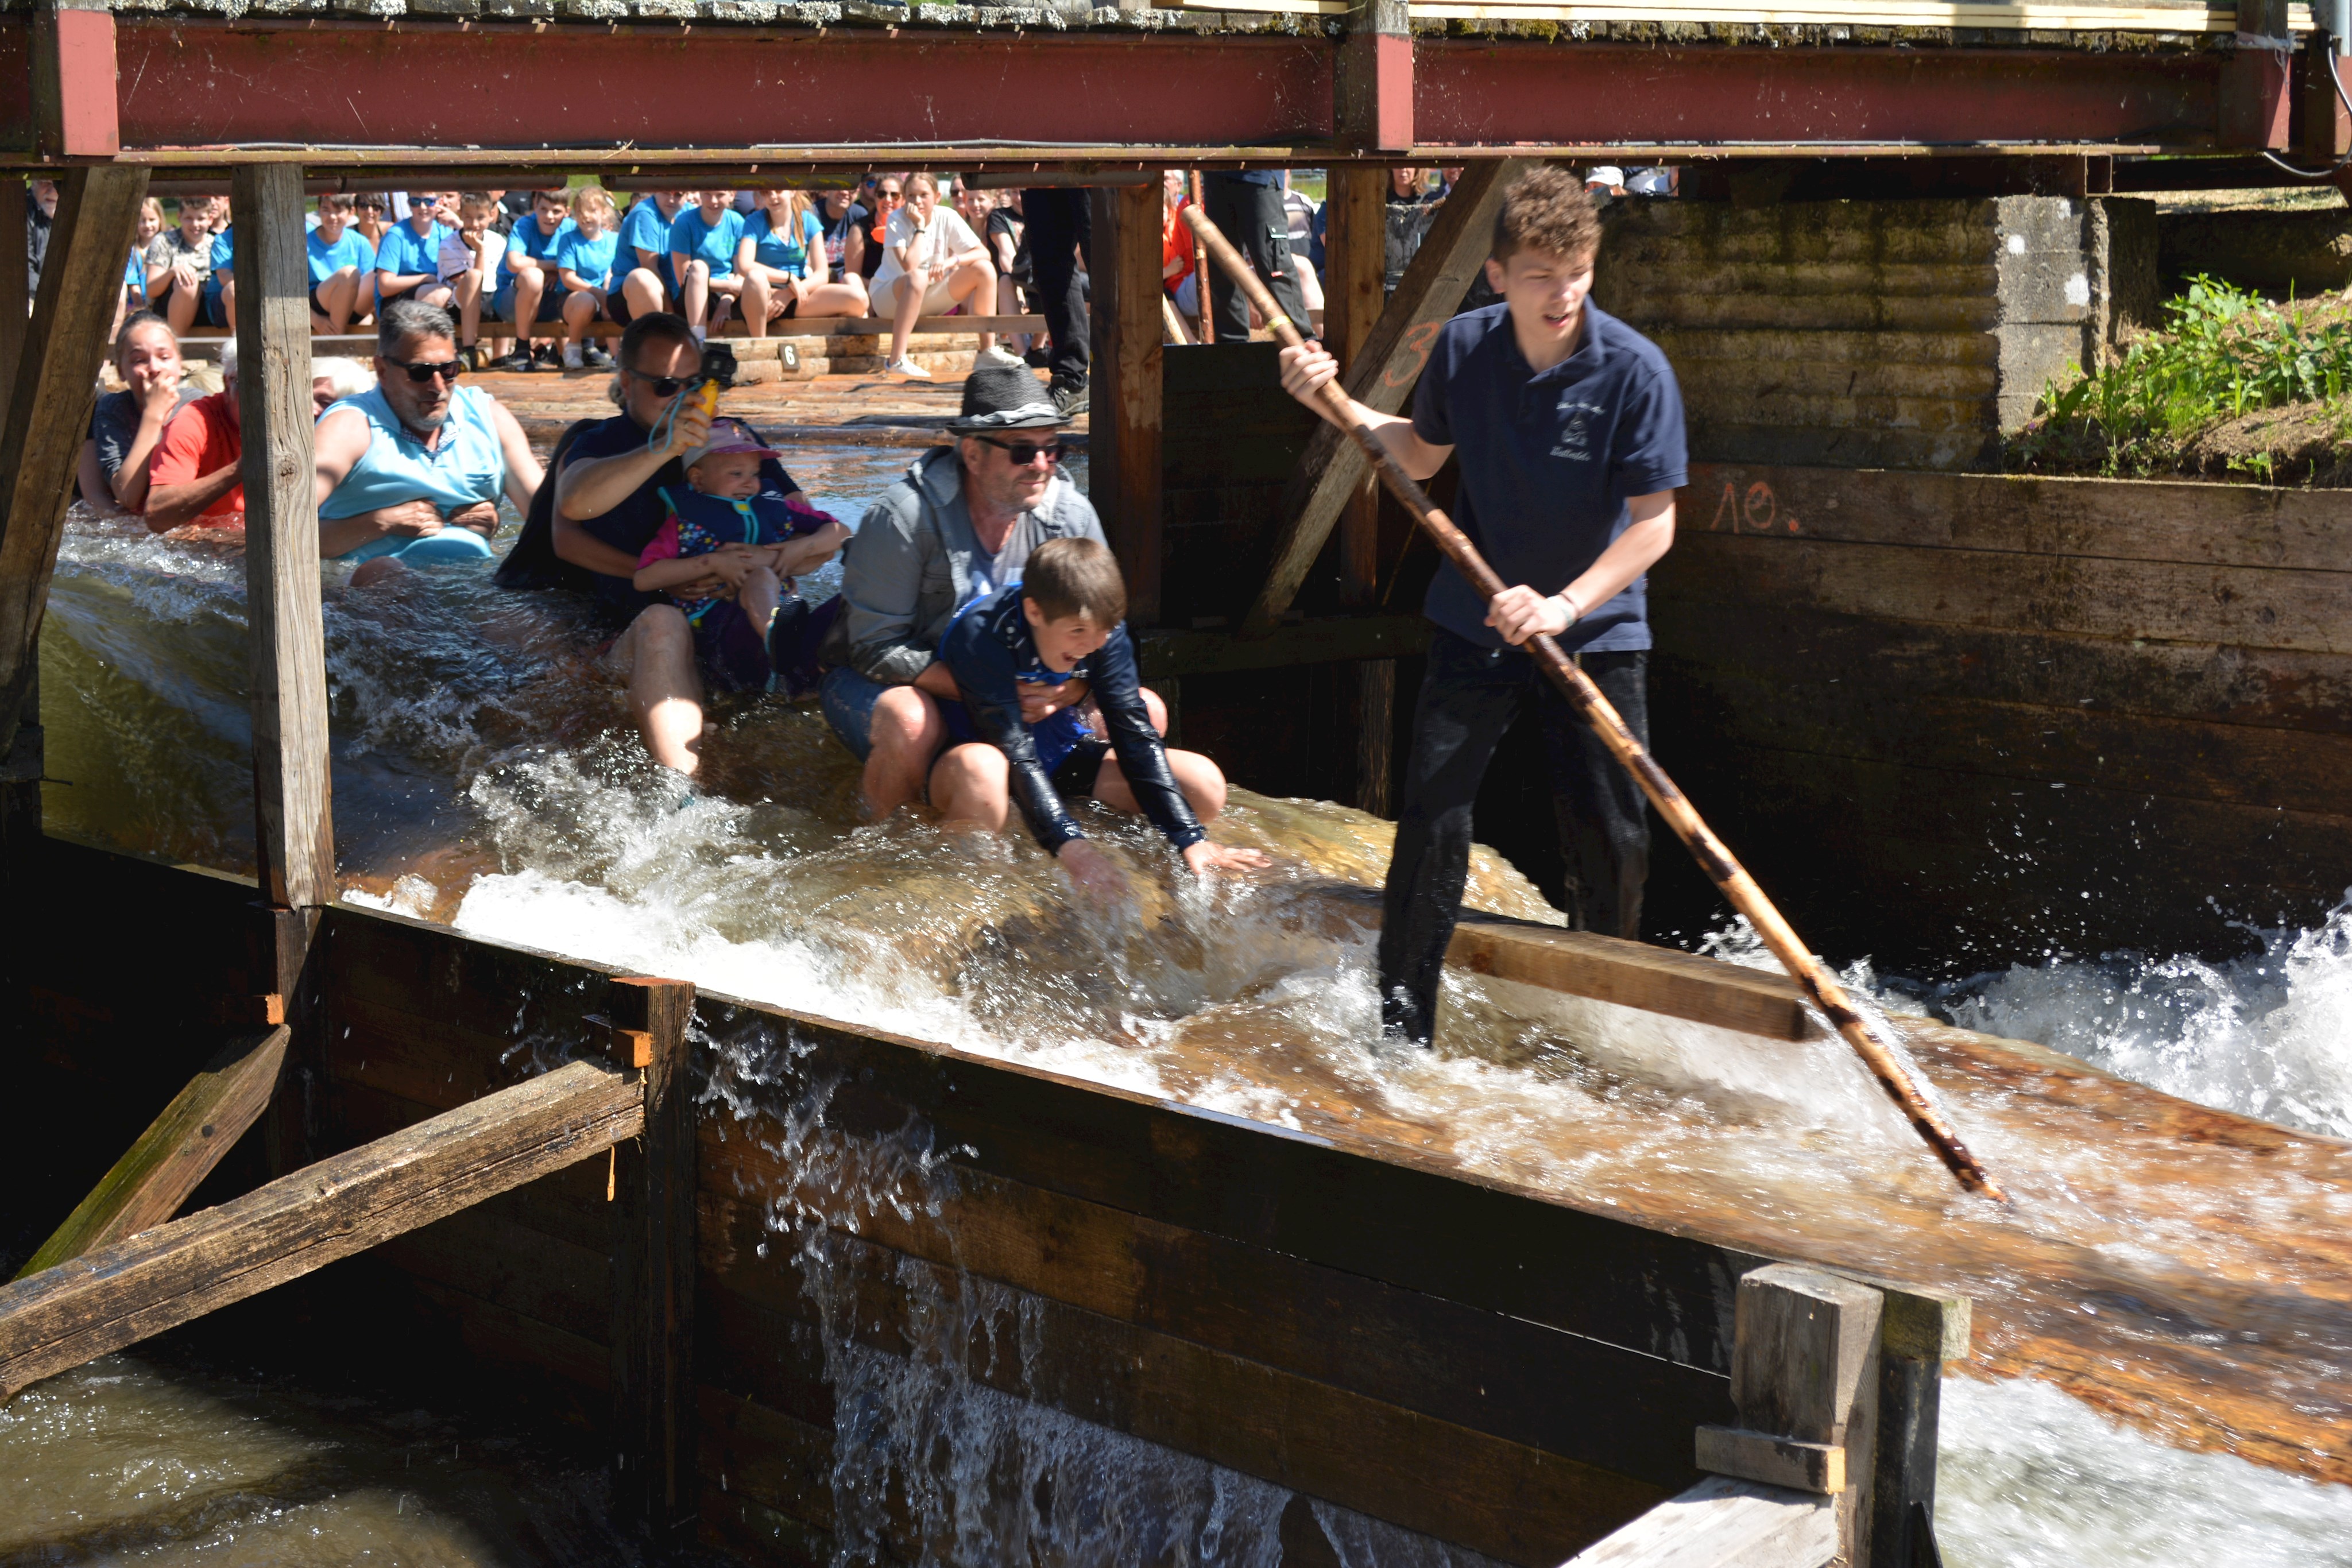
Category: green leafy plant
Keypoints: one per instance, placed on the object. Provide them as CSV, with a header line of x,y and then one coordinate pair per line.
x,y
2223,353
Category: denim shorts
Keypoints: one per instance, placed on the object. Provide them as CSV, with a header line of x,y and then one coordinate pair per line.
x,y
849,698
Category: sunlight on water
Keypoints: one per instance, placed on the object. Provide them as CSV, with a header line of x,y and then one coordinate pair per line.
x,y
2031,1478
484,778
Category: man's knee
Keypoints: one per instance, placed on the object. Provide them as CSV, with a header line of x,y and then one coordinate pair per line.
x,y
903,716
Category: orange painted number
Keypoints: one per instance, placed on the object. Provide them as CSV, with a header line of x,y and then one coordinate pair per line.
x,y
1412,356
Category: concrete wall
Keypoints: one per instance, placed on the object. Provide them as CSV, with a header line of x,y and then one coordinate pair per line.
x,y
2280,254
1908,334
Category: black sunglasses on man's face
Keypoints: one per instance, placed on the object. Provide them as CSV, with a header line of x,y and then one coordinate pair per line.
x,y
663,386
420,371
1024,453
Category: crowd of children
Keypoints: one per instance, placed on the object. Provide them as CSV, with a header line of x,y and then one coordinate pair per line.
x,y
538,270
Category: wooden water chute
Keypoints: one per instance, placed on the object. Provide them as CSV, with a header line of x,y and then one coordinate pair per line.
x,y
1335,1316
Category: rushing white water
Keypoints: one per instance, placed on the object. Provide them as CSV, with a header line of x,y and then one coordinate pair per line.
x,y
2030,1478
481,779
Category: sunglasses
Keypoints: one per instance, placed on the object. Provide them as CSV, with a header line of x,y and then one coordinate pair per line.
x,y
892,196
1024,453
420,371
663,386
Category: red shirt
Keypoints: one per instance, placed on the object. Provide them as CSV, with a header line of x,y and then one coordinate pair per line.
x,y
1176,246
201,438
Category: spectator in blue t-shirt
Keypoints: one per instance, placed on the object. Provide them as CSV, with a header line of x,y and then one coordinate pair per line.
x,y
408,262
647,284
526,278
585,263
342,268
1568,427
702,242
220,289
784,243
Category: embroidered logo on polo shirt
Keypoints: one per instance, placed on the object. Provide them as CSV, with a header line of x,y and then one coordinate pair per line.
x,y
1575,442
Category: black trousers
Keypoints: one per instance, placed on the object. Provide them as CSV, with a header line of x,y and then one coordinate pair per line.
x,y
1252,217
1469,697
1059,227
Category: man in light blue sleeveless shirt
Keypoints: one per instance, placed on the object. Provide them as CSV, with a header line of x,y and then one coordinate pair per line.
x,y
413,470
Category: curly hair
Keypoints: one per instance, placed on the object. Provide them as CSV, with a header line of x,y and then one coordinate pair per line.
x,y
1547,209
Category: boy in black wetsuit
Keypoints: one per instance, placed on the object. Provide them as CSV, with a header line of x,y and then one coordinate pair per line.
x,y
1059,632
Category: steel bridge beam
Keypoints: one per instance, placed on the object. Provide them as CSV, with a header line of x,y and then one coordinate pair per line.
x,y
78,83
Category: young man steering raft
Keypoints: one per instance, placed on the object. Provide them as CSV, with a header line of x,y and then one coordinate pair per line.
x,y
1569,427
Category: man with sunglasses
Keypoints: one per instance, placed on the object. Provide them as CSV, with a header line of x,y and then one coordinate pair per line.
x,y
608,507
414,468
960,525
408,262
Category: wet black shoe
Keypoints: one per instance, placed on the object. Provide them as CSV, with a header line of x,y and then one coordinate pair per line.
x,y
547,357
514,362
595,358
1038,359
1070,398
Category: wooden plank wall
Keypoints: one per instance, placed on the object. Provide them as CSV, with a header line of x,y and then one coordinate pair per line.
x,y
1459,1362
1230,439
100,1056
1935,712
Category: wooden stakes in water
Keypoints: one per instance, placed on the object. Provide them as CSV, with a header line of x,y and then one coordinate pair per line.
x,y
1868,1037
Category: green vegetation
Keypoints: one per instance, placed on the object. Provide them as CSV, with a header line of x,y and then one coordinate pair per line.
x,y
2233,386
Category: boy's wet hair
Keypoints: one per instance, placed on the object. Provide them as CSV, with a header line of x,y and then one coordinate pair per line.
x,y
1546,209
1075,577
336,202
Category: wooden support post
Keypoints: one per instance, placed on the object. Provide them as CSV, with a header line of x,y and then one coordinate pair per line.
x,y
288,642
1123,450
16,294
1355,245
120,1294
2257,97
1372,86
653,1268
1804,1375
177,1151
1918,1334
49,411
1332,467
1204,324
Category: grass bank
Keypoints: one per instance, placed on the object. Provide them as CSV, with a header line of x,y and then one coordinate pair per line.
x,y
2233,386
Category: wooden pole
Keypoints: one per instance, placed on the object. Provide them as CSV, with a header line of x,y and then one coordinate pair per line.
x,y
16,294
1355,245
1392,355
49,409
1204,327
1870,1040
1124,450
654,1264
140,1286
288,642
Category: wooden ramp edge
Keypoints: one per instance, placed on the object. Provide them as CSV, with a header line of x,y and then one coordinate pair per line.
x,y
121,1293
1634,974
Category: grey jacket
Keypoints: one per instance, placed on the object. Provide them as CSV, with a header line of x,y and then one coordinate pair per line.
x,y
909,568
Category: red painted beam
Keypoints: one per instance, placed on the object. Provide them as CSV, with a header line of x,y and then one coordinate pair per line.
x,y
183,87
1476,94
74,92
211,86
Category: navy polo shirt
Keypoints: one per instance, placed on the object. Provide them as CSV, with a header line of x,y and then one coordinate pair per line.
x,y
1548,462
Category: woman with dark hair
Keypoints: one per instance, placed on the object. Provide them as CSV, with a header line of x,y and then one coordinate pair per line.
x,y
125,425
